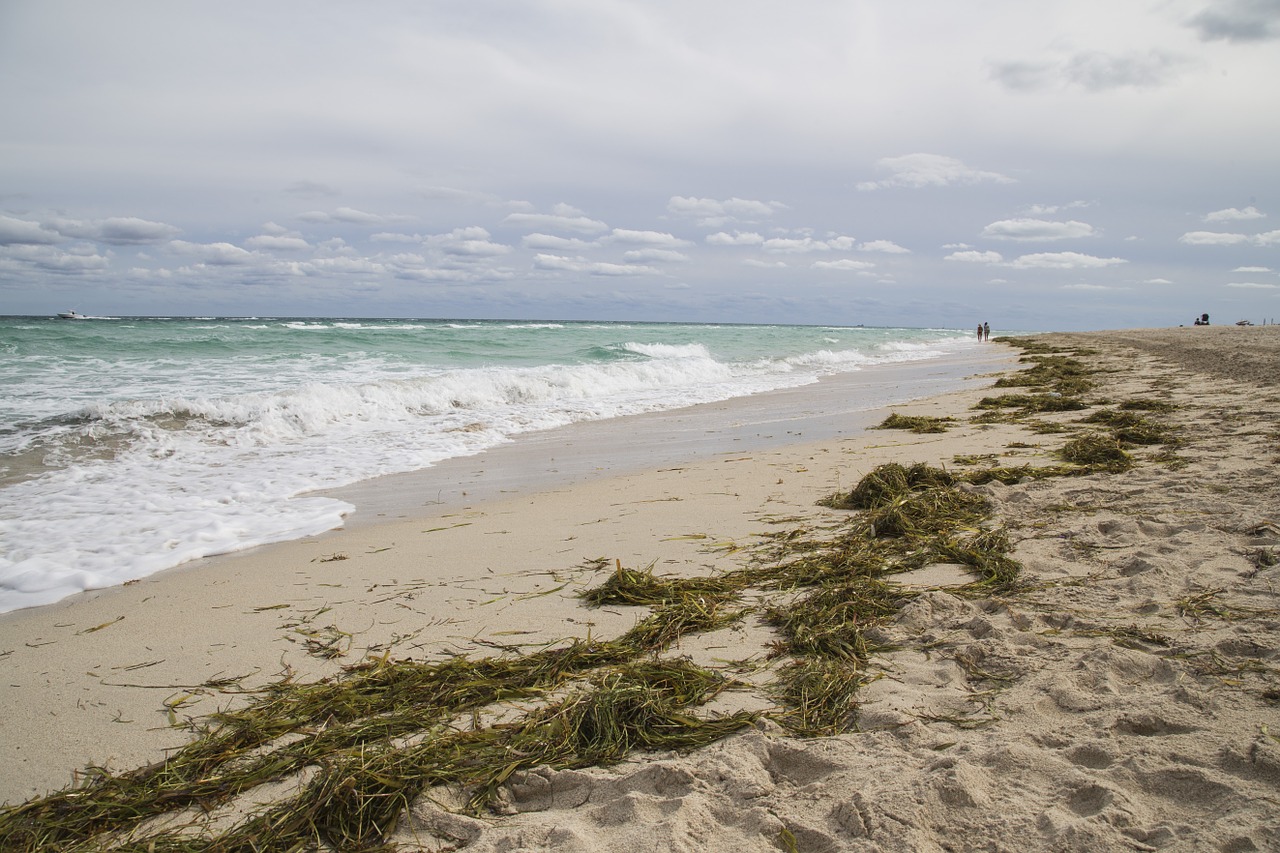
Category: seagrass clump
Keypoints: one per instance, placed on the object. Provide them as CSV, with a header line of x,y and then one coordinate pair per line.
x,y
926,511
986,553
850,556
1029,404
1130,427
1096,451
831,621
820,696
670,621
641,586
1059,373
923,424
1011,474
888,483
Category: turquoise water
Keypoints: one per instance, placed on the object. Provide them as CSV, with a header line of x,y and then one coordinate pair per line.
x,y
129,445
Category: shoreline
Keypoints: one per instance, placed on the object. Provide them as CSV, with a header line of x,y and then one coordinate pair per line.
x,y
836,406
1118,700
239,614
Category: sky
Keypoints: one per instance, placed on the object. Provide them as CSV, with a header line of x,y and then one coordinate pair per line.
x,y
1037,165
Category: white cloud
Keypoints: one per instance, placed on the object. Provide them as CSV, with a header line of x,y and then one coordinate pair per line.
x,y
795,245
555,243
1252,269
929,170
73,261
647,238
888,247
117,230
656,254
1157,281
1212,238
1062,261
1253,285
213,254
1050,209
476,248
804,245
975,257
20,231
319,266
557,222
843,265
1227,238
1027,230
1086,287
276,242
737,238
350,216
769,265
1232,214
582,265
407,260
471,241
712,212
392,237
448,274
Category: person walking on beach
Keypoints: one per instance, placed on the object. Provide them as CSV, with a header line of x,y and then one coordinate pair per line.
x,y
979,333
986,331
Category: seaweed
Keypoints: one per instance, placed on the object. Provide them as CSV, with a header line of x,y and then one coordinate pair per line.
x,y
641,586
1058,373
923,424
888,483
1033,403
830,621
1095,452
820,695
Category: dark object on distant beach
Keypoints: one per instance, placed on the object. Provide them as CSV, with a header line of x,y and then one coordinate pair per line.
x,y
1202,320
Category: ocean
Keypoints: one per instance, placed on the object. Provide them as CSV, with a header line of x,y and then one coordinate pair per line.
x,y
131,445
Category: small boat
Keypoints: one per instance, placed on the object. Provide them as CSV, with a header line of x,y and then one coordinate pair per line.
x,y
71,315
1244,322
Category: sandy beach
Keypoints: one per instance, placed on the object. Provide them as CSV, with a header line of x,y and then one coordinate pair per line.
x,y
1119,694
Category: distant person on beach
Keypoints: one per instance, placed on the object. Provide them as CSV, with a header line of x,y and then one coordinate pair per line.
x,y
986,331
979,333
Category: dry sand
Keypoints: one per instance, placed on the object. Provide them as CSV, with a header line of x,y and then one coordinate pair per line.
x,y
1125,698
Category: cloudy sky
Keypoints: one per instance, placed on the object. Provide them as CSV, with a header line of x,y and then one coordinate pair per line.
x,y
1040,165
